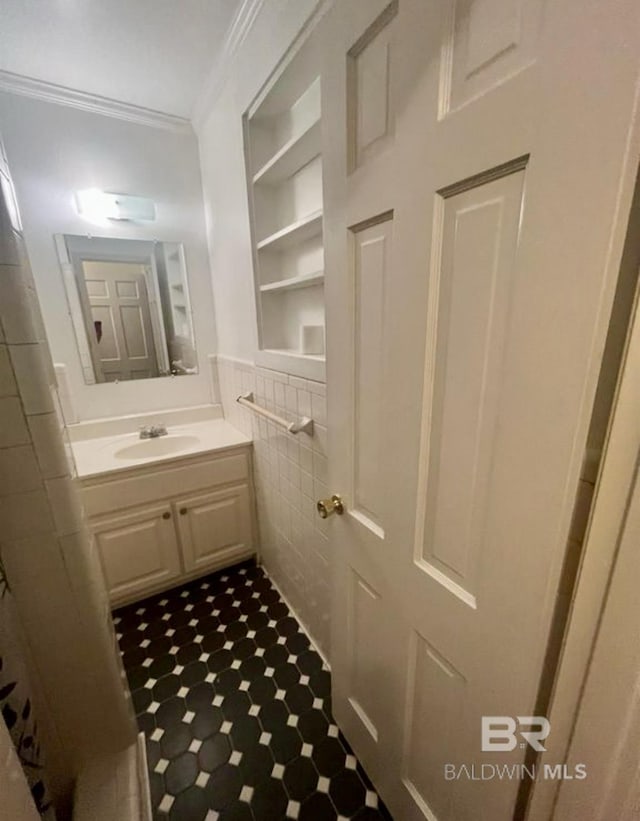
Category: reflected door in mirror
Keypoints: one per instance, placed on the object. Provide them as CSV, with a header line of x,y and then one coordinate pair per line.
x,y
118,305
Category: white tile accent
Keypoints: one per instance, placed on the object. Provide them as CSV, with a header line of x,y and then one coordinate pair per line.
x,y
246,794
166,803
277,771
371,799
293,809
195,745
265,738
157,734
350,762
235,758
306,750
323,784
202,780
188,717
161,766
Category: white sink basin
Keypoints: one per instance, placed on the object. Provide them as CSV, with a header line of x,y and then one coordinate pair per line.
x,y
161,446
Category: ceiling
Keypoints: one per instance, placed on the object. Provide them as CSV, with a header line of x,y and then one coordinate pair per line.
x,y
151,53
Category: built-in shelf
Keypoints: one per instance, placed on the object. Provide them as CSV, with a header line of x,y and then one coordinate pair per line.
x,y
295,154
284,174
302,281
296,232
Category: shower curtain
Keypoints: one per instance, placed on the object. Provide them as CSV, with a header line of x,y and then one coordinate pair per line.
x,y
15,701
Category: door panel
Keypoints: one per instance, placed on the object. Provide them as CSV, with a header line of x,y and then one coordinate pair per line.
x,y
138,550
371,271
475,242
475,161
436,697
117,298
488,42
371,113
214,527
365,617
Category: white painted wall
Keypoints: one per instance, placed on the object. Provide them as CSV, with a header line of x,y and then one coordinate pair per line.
x,y
55,150
223,172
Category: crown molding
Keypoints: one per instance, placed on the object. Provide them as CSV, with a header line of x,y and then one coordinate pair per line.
x,y
236,34
94,103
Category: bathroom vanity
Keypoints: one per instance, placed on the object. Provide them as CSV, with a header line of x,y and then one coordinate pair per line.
x,y
167,509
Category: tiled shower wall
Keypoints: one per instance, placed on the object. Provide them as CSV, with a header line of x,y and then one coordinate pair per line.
x,y
50,561
290,475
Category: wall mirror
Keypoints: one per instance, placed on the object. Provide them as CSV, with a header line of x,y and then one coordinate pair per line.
x,y
129,305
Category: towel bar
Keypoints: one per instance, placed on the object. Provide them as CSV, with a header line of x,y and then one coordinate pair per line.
x,y
304,425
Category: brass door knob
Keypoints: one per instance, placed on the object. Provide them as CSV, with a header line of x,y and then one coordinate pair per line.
x,y
183,511
166,515
327,507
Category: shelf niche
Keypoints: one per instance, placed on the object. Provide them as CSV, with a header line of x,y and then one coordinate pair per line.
x,y
284,173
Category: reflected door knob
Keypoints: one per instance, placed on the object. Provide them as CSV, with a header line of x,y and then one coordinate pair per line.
x,y
327,507
166,515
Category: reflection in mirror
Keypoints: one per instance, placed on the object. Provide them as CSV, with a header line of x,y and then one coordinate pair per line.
x,y
129,304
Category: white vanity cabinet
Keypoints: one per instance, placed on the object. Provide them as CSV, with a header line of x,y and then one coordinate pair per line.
x,y
161,524
138,551
212,526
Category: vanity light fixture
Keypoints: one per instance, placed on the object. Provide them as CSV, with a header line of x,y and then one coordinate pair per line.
x,y
95,204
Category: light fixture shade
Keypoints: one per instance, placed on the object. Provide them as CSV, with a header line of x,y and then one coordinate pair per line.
x,y
96,204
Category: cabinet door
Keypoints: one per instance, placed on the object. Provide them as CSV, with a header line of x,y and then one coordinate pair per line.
x,y
138,550
215,528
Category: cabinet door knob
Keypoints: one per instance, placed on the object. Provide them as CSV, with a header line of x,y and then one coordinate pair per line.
x,y
166,515
183,511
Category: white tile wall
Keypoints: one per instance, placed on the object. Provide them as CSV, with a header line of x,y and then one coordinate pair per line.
x,y
51,566
290,475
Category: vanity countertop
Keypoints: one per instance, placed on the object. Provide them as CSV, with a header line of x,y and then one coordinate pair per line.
x,y
122,452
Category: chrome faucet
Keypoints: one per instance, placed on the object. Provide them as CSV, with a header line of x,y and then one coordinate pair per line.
x,y
152,431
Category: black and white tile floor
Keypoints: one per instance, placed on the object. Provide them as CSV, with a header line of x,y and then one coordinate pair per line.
x,y
236,707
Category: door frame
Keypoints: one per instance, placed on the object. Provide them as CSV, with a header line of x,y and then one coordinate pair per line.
x,y
615,483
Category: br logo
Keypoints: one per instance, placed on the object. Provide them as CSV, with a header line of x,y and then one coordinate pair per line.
x,y
502,733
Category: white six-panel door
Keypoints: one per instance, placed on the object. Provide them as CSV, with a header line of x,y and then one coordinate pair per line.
x,y
477,156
